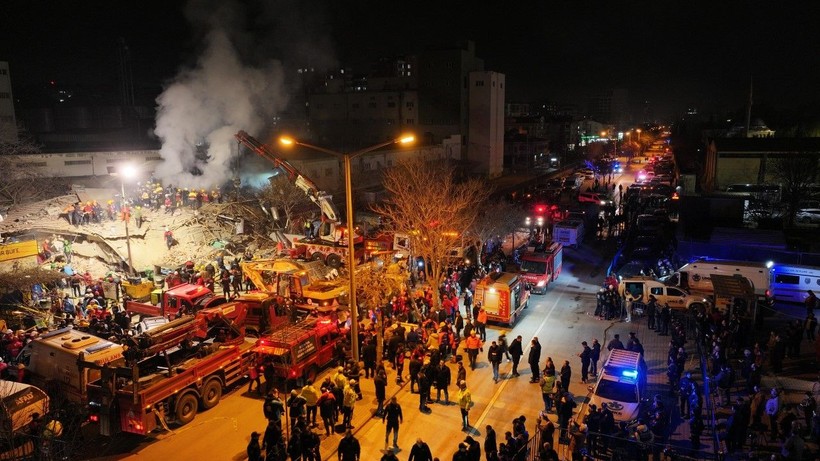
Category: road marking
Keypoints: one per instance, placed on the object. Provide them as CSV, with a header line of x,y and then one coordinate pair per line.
x,y
500,389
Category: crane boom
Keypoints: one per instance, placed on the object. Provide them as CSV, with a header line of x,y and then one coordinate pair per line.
x,y
322,199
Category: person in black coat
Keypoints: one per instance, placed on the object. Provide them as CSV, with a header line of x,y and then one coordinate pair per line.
x,y
516,351
369,358
254,450
566,376
534,359
420,452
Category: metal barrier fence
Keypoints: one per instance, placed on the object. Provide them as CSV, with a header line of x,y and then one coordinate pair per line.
x,y
718,444
32,448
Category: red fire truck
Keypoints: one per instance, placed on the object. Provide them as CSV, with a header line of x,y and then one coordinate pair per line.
x,y
298,352
540,268
171,372
503,295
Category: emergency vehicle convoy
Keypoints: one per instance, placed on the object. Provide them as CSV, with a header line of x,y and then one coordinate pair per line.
x,y
503,295
540,268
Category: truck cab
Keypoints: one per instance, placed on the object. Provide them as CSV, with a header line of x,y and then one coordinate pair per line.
x,y
298,352
539,269
185,298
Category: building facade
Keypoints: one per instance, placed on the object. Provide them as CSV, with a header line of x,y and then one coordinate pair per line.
x,y
8,122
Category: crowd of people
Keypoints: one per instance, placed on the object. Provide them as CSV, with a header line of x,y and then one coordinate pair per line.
x,y
151,195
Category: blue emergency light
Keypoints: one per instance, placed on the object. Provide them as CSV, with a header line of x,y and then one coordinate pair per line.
x,y
630,373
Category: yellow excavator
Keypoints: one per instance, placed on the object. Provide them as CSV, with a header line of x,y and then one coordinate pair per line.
x,y
309,284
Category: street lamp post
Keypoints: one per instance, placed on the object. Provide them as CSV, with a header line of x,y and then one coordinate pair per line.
x,y
127,171
351,256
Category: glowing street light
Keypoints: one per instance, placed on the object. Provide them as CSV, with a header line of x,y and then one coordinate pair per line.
x,y
351,257
127,171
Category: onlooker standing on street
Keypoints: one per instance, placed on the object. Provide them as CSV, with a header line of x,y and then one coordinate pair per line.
x,y
594,357
772,409
810,326
473,344
349,448
534,359
490,443
810,302
615,343
380,383
502,344
494,356
420,451
516,351
393,417
547,389
465,402
586,358
443,383
566,375
254,450
481,323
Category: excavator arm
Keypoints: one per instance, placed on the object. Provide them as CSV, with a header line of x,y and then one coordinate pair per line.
x,y
322,199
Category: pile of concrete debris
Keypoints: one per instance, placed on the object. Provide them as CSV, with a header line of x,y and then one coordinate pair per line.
x,y
226,229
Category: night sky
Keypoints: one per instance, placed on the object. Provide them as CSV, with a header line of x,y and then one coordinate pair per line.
x,y
674,54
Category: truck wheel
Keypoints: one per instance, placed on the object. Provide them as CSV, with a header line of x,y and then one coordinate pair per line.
x,y
334,260
186,409
317,256
311,373
211,394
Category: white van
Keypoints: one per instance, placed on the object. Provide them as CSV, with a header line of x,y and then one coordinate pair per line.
x,y
696,277
621,384
791,282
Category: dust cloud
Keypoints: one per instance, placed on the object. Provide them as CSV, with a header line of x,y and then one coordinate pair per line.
x,y
235,84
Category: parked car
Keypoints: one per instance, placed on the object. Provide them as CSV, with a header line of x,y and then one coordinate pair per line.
x,y
809,215
592,197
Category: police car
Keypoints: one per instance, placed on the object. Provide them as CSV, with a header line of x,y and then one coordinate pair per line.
x,y
620,385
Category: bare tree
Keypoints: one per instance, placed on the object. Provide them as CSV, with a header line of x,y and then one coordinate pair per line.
x,y
795,173
496,218
427,203
375,287
282,194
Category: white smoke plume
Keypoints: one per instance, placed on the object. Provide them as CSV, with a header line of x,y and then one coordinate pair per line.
x,y
211,101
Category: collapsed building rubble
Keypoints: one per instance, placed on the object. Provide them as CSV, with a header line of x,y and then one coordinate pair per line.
x,y
216,229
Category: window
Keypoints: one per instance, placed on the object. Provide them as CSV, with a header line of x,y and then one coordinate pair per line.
x,y
787,279
31,164
410,121
391,104
77,162
409,104
674,292
153,157
657,291
4,95
479,83
371,105
4,71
